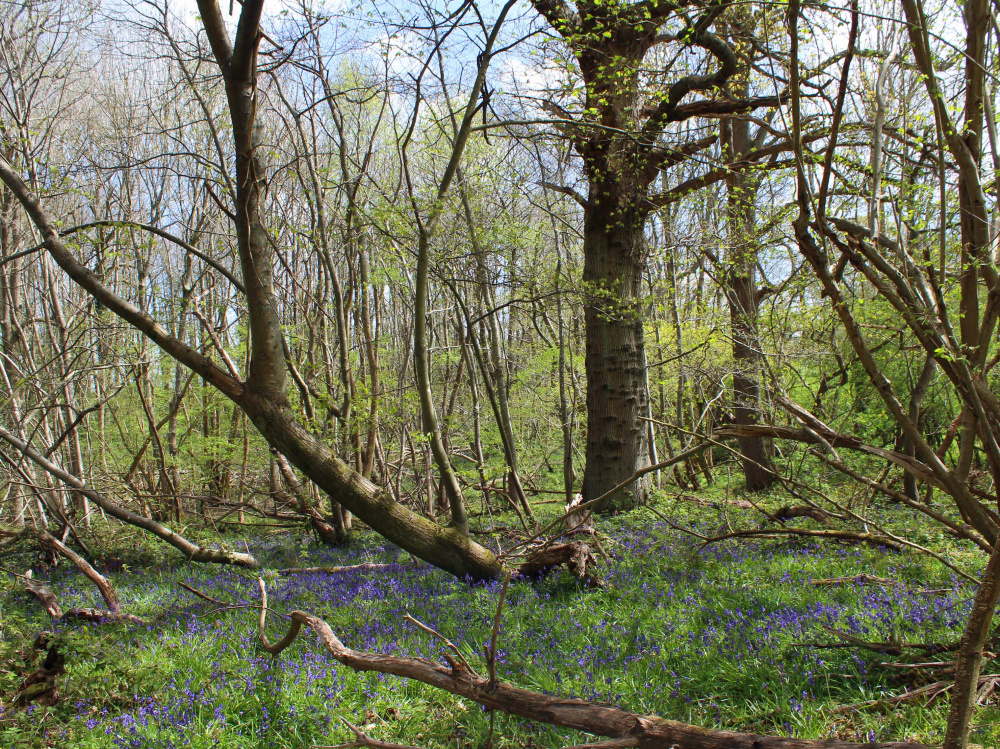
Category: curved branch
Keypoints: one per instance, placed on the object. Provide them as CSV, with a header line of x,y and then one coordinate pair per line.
x,y
650,731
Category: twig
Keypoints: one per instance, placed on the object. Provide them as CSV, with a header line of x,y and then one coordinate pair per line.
x,y
362,739
201,595
445,640
367,567
491,655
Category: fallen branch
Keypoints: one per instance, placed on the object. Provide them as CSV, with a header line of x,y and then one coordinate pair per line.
x,y
203,596
865,579
107,592
833,535
363,739
931,691
44,594
648,731
366,567
887,648
862,579
802,511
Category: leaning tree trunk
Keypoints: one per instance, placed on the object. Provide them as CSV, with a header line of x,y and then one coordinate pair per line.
x,y
617,441
445,547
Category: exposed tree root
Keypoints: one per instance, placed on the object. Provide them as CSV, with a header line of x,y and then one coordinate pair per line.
x,y
647,731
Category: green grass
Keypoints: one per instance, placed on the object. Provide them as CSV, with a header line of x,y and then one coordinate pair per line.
x,y
719,637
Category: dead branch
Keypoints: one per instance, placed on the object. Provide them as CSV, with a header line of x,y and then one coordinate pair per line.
x,y
363,739
451,646
366,567
107,592
192,551
579,520
814,435
930,691
865,579
833,535
44,594
203,596
48,599
648,731
802,511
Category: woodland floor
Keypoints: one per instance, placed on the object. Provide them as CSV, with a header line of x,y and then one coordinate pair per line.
x,y
720,636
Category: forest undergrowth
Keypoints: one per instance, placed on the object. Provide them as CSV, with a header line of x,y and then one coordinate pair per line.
x,y
737,634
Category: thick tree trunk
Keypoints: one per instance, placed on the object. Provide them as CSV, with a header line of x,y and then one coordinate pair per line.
x,y
617,442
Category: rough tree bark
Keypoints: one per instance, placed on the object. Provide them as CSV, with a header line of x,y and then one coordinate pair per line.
x,y
617,435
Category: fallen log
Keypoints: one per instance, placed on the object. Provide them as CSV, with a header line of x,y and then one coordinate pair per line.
x,y
650,731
